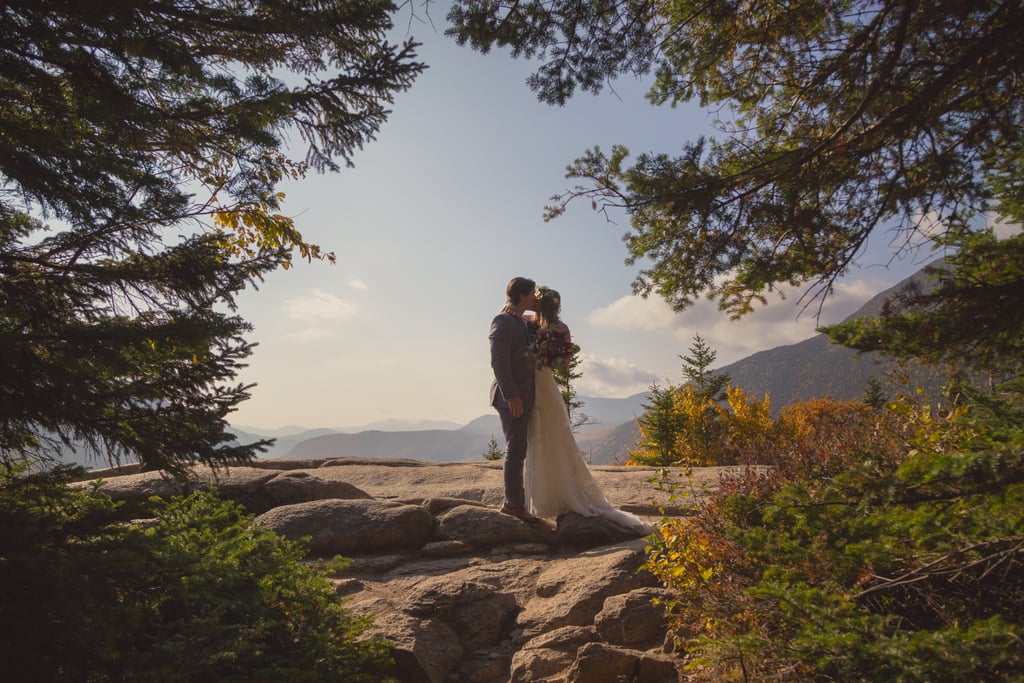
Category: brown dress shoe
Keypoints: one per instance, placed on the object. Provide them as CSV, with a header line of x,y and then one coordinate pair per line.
x,y
520,513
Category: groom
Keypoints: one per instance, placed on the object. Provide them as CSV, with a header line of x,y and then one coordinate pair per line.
x,y
512,390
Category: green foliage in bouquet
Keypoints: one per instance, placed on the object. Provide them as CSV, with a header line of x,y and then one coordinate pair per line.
x,y
198,594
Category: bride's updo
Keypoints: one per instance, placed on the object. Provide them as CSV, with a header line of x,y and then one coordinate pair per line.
x,y
549,305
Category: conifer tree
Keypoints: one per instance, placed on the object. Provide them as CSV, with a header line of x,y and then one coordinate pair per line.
x,y
836,119
493,451
697,369
874,395
565,376
839,119
660,428
141,145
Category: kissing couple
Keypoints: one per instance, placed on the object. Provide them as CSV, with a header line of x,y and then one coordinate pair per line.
x,y
545,473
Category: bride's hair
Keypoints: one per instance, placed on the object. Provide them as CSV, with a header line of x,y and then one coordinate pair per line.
x,y
549,305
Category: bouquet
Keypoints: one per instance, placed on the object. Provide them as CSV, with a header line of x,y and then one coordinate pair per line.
x,y
551,348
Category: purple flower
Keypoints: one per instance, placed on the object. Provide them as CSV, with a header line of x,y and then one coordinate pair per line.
x,y
551,348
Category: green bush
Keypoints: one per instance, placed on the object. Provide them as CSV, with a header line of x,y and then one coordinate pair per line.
x,y
891,570
199,594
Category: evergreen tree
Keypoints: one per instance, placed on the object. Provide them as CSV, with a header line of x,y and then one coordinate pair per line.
x,y
874,395
142,144
201,593
494,451
847,117
565,376
969,318
697,369
660,428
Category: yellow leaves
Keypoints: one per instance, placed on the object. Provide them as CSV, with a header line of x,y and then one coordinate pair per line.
x,y
693,430
933,431
685,557
248,229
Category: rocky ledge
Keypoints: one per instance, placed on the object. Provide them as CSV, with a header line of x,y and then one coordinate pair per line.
x,y
465,593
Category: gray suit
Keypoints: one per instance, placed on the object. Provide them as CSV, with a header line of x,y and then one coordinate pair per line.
x,y
513,377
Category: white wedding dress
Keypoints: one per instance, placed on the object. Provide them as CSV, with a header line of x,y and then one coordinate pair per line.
x,y
557,477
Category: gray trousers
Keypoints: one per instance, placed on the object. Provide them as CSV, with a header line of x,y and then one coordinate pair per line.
x,y
515,429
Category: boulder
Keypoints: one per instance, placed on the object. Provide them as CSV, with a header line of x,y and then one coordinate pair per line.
x,y
581,532
600,663
483,526
134,490
573,590
478,611
336,526
550,654
634,618
424,650
287,488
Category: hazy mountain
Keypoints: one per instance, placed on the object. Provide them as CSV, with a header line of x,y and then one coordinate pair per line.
x,y
815,368
611,445
796,372
288,431
437,445
402,426
606,413
287,438
391,425
812,368
284,440
485,424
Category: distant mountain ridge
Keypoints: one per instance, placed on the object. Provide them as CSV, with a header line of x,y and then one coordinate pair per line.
x,y
787,374
816,368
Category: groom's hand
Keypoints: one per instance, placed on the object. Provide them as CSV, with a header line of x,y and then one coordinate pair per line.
x,y
515,407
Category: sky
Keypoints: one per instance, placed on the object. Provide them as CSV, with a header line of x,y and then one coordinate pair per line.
x,y
439,213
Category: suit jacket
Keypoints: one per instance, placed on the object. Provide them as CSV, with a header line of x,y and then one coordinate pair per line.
x,y
513,371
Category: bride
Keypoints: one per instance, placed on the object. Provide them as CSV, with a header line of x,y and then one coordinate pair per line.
x,y
557,477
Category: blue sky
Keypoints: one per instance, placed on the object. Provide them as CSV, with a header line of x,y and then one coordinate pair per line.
x,y
438,214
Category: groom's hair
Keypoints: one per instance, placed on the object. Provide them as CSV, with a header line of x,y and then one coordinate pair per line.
x,y
517,288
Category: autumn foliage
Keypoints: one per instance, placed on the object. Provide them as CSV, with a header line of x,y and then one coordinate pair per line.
x,y
873,545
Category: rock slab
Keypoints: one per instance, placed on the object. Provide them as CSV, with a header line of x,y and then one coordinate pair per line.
x,y
464,593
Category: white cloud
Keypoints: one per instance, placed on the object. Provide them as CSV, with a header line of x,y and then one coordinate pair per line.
x,y
784,320
1001,227
310,334
316,315
634,313
930,225
320,305
358,284
614,377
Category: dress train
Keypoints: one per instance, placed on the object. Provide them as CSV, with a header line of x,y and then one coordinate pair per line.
x,y
557,477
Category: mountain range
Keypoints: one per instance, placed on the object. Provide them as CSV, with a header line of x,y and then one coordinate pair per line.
x,y
786,374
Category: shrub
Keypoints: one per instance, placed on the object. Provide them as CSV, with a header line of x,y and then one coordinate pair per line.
x,y
876,566
198,594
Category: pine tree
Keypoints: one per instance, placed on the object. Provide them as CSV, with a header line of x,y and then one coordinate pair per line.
x,y
565,376
141,150
838,119
697,369
874,395
660,428
494,451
